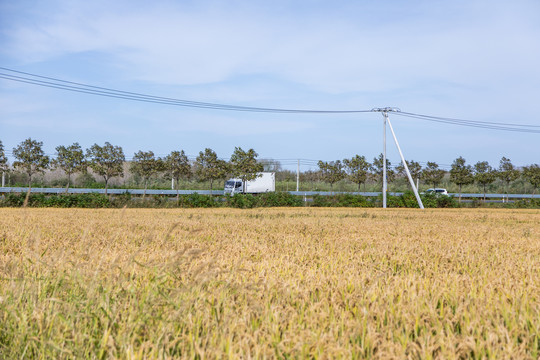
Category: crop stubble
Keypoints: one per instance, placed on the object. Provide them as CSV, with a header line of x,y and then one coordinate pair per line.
x,y
213,283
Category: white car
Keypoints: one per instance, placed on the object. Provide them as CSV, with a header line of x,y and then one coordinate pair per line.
x,y
437,191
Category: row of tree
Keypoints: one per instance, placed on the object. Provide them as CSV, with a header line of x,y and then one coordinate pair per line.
x,y
358,170
108,161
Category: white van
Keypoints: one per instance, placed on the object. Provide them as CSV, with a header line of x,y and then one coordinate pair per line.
x,y
437,191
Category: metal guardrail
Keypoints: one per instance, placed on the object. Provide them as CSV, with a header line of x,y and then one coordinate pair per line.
x,y
491,196
330,193
109,191
220,192
456,195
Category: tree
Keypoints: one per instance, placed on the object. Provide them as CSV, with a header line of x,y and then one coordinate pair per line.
x,y
414,168
507,173
532,174
178,166
432,174
70,159
484,175
4,166
106,161
244,165
357,169
377,169
209,168
331,171
461,174
30,158
145,165
270,165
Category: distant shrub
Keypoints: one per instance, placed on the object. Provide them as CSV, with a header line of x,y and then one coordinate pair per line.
x,y
446,202
159,200
319,201
121,200
395,202
242,201
408,200
341,200
526,204
196,200
246,201
13,200
91,200
429,200
278,199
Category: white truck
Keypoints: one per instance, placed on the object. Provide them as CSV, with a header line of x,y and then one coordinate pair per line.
x,y
264,182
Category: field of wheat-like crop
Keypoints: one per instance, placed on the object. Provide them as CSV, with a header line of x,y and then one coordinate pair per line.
x,y
264,283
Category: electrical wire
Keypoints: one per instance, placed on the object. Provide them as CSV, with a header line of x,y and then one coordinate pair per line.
x,y
469,121
60,84
113,93
526,128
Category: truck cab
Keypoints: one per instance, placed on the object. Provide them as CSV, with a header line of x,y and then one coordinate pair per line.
x,y
233,186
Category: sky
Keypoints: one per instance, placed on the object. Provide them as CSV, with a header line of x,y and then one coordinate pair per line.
x,y
473,59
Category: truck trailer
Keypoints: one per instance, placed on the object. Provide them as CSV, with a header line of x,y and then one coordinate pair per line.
x,y
264,182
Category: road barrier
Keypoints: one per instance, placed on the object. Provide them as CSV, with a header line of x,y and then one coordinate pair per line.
x,y
220,192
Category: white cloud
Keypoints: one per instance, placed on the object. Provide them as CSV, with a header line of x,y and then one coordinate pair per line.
x,y
177,44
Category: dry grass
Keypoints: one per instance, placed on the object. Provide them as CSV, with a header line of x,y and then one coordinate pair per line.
x,y
324,283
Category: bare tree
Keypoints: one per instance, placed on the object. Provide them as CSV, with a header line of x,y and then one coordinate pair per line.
x,y
270,165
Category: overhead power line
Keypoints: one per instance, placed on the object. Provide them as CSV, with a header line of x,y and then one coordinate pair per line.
x,y
55,83
527,128
119,94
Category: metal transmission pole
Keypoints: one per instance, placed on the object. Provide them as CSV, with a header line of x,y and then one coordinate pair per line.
x,y
385,179
385,112
298,175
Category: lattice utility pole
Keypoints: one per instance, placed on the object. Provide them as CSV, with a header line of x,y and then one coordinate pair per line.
x,y
385,112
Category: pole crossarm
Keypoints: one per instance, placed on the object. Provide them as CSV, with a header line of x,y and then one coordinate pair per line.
x,y
386,109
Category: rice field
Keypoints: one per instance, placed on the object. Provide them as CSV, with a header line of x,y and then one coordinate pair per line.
x,y
269,283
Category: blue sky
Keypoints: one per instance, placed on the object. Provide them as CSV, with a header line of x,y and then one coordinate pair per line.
x,y
471,59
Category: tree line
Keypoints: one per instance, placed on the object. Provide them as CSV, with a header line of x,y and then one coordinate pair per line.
x,y
107,162
358,170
